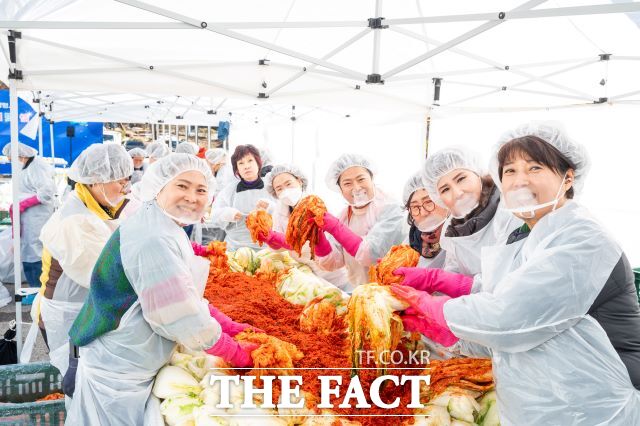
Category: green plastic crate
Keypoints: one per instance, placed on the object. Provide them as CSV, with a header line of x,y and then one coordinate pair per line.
x,y
636,272
21,385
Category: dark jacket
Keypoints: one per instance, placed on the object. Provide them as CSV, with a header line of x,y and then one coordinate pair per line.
x,y
616,309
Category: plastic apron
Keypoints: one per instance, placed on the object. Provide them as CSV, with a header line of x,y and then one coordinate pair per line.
x,y
463,253
59,313
116,374
436,262
549,368
32,183
237,233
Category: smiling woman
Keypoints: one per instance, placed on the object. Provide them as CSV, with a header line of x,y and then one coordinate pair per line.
x,y
146,296
234,203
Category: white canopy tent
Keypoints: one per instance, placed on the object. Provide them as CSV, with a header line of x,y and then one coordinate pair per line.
x,y
362,75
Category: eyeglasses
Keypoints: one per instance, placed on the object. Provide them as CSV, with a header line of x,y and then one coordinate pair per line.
x,y
428,206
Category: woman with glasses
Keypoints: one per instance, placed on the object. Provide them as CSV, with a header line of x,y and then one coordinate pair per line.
x,y
454,179
75,235
426,220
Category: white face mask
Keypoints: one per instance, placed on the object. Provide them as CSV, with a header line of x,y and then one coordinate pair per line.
x,y
184,220
430,223
112,203
290,196
360,198
522,202
464,205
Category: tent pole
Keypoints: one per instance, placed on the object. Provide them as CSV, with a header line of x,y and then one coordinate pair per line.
x,y
209,137
196,134
376,40
40,146
16,168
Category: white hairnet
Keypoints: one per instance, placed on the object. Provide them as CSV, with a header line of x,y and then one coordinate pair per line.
x,y
278,170
101,163
216,155
554,135
23,150
186,148
167,168
344,162
413,184
137,152
443,162
158,150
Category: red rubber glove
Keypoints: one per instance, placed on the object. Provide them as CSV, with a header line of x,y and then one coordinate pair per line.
x,y
199,250
275,240
228,325
323,246
430,280
236,354
349,240
425,314
29,202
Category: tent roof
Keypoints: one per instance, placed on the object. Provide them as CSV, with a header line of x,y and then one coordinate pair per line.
x,y
537,54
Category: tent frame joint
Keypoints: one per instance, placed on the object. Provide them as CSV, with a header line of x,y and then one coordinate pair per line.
x,y
374,79
376,23
605,56
601,101
264,62
262,95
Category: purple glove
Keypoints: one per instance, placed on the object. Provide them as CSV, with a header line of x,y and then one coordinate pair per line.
x,y
236,354
323,246
228,325
425,314
275,240
430,280
341,232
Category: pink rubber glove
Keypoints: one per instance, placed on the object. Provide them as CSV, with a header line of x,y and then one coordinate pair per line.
x,y
199,250
323,246
425,314
430,280
228,325
236,354
275,240
29,202
341,232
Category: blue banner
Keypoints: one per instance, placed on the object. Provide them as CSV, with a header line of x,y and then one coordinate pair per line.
x,y
85,134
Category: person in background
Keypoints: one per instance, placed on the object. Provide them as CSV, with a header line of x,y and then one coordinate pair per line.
x,y
234,203
288,185
538,290
74,236
222,171
37,195
187,148
426,220
137,155
157,150
267,162
146,296
217,158
367,228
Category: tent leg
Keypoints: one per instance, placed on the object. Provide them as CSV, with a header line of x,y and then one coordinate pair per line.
x,y
16,168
